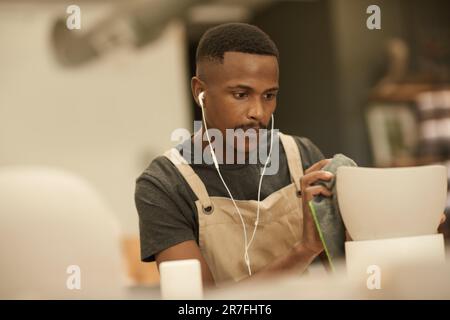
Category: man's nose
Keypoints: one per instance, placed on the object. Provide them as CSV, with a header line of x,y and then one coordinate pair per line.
x,y
256,111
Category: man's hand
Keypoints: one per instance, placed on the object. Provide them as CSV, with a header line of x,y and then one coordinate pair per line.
x,y
311,239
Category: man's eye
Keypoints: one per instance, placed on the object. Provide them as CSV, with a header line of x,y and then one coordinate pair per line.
x,y
240,95
270,96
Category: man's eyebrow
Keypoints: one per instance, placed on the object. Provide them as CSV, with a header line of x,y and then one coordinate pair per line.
x,y
243,86
272,89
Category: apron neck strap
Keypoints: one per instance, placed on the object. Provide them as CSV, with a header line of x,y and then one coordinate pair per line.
x,y
196,184
293,159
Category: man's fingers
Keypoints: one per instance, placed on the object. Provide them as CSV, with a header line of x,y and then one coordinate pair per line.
x,y
313,177
318,165
312,191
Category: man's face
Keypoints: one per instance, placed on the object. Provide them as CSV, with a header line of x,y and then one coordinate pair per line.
x,y
240,93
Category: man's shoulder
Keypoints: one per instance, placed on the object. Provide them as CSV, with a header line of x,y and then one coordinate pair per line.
x,y
165,207
305,143
161,172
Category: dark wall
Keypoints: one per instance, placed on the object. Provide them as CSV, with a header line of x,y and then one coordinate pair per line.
x,y
330,61
307,99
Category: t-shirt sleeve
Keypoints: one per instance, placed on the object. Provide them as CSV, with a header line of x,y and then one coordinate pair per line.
x,y
162,223
309,152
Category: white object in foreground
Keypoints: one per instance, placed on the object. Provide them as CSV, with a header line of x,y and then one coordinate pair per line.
x,y
391,254
59,239
391,203
181,279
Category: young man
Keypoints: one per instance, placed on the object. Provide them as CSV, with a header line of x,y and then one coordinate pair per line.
x,y
237,69
185,209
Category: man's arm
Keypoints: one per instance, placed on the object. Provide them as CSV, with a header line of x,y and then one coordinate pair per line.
x,y
302,254
298,258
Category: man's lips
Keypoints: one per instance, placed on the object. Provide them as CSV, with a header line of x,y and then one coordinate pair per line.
x,y
249,131
246,128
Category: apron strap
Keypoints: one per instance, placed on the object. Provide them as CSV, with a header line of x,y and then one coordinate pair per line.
x,y
196,184
293,159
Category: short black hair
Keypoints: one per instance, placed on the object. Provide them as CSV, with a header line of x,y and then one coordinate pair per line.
x,y
236,37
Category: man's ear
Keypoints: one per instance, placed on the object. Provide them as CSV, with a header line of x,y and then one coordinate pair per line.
x,y
197,86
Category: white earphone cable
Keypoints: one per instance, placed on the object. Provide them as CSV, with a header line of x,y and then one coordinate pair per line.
x,y
216,164
260,183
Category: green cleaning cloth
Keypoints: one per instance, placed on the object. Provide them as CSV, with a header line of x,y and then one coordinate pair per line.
x,y
326,214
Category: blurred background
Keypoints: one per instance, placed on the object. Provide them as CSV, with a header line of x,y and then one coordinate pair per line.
x,y
101,102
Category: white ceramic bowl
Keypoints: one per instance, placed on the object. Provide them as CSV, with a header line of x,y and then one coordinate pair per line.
x,y
390,203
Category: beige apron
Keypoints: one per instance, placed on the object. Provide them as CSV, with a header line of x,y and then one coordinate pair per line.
x,y
221,237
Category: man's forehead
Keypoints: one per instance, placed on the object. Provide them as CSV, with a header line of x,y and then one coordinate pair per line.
x,y
244,66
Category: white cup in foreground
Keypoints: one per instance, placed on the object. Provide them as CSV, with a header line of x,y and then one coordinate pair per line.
x,y
181,280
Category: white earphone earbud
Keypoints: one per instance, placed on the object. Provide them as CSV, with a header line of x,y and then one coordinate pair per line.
x,y
247,243
201,96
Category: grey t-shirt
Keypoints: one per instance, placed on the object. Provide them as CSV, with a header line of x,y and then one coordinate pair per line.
x,y
166,203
